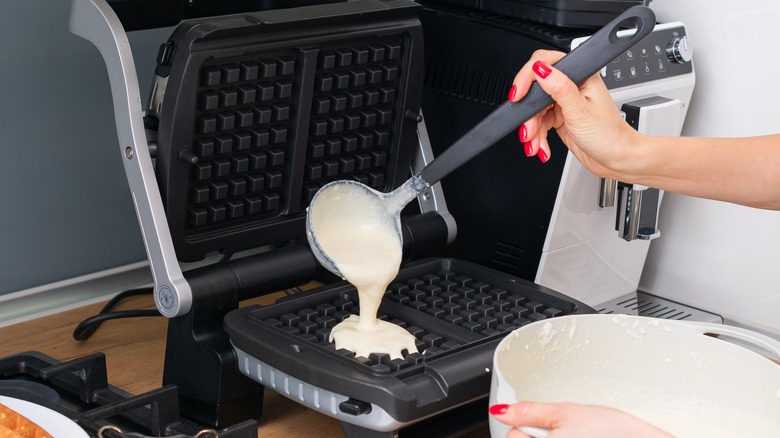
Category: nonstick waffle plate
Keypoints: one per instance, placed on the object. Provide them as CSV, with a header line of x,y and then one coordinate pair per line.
x,y
458,311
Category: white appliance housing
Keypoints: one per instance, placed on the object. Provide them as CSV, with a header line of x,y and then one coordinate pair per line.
x,y
583,256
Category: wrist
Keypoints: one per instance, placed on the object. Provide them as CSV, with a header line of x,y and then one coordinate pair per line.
x,y
634,158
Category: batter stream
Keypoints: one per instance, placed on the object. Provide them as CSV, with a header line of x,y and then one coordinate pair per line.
x,y
362,239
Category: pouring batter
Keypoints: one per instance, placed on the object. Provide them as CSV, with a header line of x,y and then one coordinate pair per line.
x,y
355,231
362,239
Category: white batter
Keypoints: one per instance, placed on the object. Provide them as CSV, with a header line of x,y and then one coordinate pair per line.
x,y
680,426
358,233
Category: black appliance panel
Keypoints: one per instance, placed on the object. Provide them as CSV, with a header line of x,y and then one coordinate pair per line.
x,y
649,60
502,201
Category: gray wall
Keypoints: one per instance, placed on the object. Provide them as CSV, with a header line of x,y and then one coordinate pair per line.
x,y
65,209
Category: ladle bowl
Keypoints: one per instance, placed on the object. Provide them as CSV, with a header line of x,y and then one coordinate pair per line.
x,y
351,204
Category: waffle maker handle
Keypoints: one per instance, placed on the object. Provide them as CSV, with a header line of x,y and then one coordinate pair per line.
x,y
581,63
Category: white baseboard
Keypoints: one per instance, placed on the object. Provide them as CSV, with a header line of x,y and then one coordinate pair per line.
x,y
60,296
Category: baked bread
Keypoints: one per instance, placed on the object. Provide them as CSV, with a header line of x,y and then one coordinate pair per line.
x,y
16,425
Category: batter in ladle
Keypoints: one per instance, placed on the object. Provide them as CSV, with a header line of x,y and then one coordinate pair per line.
x,y
363,242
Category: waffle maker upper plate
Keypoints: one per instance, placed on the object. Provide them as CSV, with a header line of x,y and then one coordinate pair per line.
x,y
254,113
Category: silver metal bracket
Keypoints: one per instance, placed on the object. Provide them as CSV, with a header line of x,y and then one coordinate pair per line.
x,y
96,21
432,198
637,212
607,192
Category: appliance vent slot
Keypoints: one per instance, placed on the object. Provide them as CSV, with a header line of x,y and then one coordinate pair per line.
x,y
467,82
509,256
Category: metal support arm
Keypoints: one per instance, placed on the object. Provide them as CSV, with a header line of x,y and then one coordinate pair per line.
x,y
95,21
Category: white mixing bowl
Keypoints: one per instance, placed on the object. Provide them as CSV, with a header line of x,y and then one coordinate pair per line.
x,y
667,372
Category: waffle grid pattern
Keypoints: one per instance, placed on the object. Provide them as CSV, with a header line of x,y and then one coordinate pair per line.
x,y
241,133
444,310
246,128
353,114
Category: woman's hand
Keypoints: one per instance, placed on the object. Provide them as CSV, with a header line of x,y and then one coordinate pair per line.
x,y
570,420
741,170
585,117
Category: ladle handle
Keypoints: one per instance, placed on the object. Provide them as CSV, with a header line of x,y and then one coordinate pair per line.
x,y
580,64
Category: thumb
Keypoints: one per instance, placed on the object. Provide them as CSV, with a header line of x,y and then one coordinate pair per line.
x,y
546,415
564,92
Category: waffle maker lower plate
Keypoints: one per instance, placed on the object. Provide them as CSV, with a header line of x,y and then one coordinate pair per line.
x,y
457,310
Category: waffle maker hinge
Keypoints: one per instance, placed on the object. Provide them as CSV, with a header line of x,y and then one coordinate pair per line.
x,y
95,21
199,357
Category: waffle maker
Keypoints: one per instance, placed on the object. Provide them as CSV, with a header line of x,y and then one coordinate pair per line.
x,y
248,116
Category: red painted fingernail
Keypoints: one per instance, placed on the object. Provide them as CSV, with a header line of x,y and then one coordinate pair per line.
x,y
543,156
541,69
512,92
498,409
529,148
522,133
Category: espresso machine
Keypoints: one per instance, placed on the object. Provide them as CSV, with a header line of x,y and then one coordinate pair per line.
x,y
250,113
555,223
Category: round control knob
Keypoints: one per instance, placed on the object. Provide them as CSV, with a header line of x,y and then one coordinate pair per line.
x,y
678,51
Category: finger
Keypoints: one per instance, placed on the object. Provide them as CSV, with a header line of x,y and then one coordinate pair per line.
x,y
544,150
548,122
525,77
536,133
530,131
526,133
544,415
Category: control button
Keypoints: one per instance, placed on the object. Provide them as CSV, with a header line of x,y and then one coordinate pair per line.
x,y
647,70
165,53
657,50
661,66
643,52
617,74
632,73
354,407
629,55
678,51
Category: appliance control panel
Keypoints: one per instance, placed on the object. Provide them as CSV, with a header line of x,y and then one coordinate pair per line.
x,y
663,54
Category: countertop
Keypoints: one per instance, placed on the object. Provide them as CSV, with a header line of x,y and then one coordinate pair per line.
x,y
134,350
